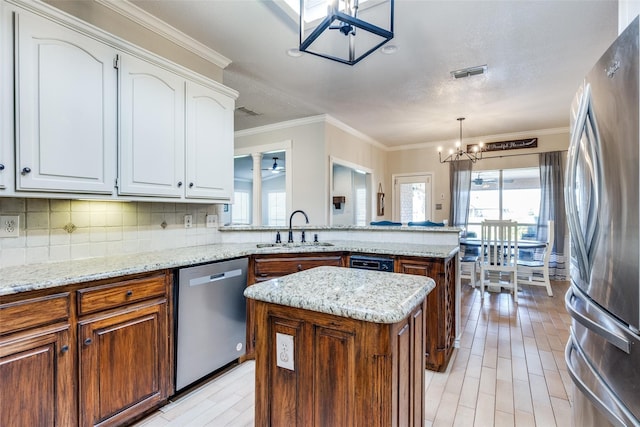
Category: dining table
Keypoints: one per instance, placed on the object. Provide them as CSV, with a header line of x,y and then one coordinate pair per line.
x,y
522,244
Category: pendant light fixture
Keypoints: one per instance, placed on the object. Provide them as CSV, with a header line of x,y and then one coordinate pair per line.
x,y
338,30
457,153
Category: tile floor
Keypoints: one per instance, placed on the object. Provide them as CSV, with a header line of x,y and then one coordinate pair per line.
x,y
508,371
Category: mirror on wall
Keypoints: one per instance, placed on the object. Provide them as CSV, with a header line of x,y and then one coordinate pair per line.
x,y
351,195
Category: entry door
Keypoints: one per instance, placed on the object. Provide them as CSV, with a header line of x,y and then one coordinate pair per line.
x,y
412,198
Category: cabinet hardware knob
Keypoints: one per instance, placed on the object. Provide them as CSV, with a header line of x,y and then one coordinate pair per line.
x,y
191,185
299,267
88,341
179,184
1,167
64,348
26,170
129,293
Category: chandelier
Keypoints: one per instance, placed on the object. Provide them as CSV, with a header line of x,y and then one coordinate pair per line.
x,y
329,29
459,154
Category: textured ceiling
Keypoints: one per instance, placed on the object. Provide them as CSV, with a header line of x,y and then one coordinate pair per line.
x,y
536,52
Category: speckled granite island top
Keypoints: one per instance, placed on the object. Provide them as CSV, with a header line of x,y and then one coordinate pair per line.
x,y
372,296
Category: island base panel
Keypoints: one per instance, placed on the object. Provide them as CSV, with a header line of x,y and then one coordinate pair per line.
x,y
346,372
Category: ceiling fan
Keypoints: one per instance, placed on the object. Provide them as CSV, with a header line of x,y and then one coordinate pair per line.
x,y
275,168
479,180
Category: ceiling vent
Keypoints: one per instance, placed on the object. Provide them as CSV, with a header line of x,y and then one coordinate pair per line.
x,y
470,71
248,112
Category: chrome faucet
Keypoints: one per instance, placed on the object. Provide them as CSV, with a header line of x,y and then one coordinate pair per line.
x,y
290,239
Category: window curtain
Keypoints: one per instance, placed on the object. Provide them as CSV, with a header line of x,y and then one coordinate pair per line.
x,y
552,208
460,186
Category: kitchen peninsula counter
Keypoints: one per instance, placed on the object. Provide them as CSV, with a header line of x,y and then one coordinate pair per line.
x,y
338,346
30,277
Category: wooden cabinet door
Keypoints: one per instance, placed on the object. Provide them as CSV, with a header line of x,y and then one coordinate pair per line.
x,y
209,144
151,129
440,311
66,88
37,380
123,364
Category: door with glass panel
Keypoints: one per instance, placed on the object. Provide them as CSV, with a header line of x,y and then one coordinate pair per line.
x,y
412,198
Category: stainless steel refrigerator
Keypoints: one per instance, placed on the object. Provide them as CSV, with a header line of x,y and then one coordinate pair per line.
x,y
602,200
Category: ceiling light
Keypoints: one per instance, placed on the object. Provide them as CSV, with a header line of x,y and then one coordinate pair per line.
x,y
389,49
333,35
470,71
294,52
459,154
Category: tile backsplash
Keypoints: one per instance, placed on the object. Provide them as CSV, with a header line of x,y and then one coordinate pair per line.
x,y
60,230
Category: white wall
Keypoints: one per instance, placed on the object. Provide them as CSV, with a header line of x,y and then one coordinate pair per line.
x,y
308,163
349,145
314,141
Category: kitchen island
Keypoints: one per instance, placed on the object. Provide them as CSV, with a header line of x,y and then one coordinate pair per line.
x,y
340,347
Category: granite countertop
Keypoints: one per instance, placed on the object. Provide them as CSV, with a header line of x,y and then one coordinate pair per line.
x,y
49,275
371,296
308,227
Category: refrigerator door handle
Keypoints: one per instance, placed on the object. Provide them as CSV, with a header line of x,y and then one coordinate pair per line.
x,y
615,339
621,417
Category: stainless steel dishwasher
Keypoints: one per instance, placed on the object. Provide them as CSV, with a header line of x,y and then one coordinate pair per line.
x,y
211,323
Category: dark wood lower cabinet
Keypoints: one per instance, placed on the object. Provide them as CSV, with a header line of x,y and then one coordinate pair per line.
x,y
441,310
91,354
123,367
36,379
346,372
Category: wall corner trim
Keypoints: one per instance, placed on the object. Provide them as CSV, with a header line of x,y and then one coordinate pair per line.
x,y
150,22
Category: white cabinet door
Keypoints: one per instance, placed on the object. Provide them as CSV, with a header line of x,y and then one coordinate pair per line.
x,y
65,86
209,143
151,129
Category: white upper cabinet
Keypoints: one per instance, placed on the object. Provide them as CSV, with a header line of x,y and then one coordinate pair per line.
x,y
98,117
151,129
209,145
65,109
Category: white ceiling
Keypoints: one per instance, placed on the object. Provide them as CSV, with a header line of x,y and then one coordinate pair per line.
x,y
536,52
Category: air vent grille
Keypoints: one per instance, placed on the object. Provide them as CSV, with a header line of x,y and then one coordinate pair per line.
x,y
470,71
248,112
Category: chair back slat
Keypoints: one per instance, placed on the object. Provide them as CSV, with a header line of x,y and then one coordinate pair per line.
x,y
499,243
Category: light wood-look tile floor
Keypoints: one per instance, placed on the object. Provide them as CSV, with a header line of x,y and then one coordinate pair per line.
x,y
508,371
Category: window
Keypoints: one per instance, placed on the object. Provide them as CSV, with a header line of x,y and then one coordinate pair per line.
x,y
241,209
506,194
276,214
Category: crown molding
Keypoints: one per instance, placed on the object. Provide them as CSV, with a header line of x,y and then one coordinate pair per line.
x,y
280,125
486,139
150,22
366,138
322,118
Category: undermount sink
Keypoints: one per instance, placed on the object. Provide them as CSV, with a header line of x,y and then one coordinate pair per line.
x,y
293,245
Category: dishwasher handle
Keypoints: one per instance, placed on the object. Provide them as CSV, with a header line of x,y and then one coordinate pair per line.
x,y
216,277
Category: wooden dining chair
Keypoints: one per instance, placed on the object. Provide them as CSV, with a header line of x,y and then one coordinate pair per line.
x,y
499,255
536,271
469,262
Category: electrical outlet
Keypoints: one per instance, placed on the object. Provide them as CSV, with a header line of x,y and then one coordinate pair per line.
x,y
284,347
9,226
211,221
188,221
